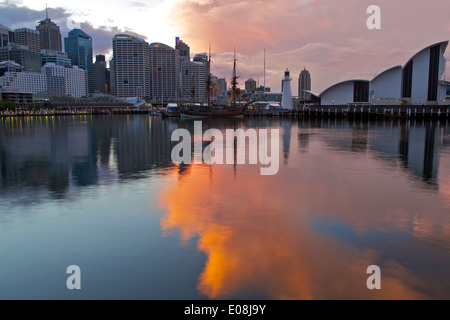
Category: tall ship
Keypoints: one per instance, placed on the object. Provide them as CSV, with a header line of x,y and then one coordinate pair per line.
x,y
233,109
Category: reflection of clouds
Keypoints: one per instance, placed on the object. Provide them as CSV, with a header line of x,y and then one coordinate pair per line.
x,y
444,181
252,247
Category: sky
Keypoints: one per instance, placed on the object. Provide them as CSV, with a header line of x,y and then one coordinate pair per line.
x,y
329,38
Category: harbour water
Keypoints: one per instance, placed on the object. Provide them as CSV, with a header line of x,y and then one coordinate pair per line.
x,y
102,193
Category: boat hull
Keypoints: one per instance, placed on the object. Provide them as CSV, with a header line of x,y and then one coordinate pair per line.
x,y
211,112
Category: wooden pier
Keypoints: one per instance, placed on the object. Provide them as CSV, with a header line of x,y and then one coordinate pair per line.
x,y
367,111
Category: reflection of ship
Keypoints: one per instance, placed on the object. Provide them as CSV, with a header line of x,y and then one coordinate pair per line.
x,y
209,110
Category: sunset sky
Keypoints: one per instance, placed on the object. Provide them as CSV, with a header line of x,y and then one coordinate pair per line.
x,y
329,38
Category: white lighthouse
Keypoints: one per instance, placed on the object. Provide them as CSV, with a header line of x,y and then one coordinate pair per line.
x,y
286,99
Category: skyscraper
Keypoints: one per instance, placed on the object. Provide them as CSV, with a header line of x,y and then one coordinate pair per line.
x,y
65,80
164,72
193,80
183,49
304,83
100,73
130,74
78,45
28,37
50,35
5,33
30,60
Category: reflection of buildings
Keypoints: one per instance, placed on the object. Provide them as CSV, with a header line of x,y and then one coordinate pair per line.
x,y
63,152
416,145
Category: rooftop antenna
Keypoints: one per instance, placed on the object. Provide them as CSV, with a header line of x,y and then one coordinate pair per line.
x,y
46,11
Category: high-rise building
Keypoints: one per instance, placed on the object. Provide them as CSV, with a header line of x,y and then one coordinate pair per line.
x,y
30,60
223,86
29,82
111,77
130,73
50,35
28,37
183,49
304,83
201,57
78,45
4,42
100,73
65,80
5,36
108,80
250,85
164,72
59,58
193,80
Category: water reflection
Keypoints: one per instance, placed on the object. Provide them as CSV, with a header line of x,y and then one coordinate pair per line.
x,y
310,236
348,194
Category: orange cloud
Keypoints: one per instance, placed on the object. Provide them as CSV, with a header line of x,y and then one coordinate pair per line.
x,y
252,247
286,28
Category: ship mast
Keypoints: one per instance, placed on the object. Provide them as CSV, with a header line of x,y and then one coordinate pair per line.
x,y
234,83
208,80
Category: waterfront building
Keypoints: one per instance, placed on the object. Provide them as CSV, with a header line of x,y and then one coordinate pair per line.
x,y
78,45
193,80
286,99
50,35
65,80
27,82
21,99
28,37
100,74
386,87
164,72
418,82
304,83
345,92
130,67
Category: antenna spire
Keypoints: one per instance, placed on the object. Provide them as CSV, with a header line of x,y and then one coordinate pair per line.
x,y
46,11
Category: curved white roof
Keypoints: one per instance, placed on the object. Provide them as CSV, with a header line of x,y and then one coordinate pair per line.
x,y
386,71
312,93
342,82
445,43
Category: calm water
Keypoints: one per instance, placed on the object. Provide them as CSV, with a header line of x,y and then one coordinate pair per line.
x,y
103,194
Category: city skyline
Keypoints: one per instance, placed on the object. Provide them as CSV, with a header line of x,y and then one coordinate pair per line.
x,y
329,39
